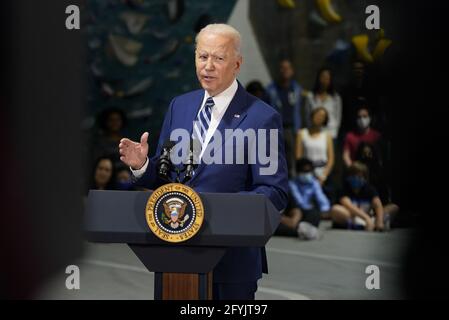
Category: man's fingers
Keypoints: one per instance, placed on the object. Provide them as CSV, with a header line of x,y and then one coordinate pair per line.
x,y
144,138
123,146
125,142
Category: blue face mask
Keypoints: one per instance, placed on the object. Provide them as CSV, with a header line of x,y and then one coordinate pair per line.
x,y
305,177
356,182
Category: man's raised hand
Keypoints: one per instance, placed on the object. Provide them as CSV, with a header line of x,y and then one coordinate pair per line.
x,y
134,154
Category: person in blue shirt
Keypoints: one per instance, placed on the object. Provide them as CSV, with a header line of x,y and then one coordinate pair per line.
x,y
307,202
284,94
360,206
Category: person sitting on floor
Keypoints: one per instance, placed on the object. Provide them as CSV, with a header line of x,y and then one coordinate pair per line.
x,y
363,134
307,202
360,206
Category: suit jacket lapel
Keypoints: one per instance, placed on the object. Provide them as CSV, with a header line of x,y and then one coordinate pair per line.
x,y
190,113
233,116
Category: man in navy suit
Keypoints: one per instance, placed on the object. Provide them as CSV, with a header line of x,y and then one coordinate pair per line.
x,y
222,105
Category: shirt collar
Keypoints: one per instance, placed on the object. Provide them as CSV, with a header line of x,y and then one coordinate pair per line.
x,y
223,99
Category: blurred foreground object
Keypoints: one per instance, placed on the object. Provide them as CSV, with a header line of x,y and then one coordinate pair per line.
x,y
41,104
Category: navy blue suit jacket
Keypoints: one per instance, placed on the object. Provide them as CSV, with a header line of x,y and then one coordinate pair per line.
x,y
238,264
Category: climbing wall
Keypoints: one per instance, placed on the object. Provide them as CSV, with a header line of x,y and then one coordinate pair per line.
x,y
141,55
313,33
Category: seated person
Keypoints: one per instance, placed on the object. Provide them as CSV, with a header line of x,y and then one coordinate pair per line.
x,y
306,203
369,155
315,144
360,206
123,178
111,122
103,174
363,133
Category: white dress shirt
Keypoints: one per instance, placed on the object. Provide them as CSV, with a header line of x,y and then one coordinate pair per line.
x,y
222,101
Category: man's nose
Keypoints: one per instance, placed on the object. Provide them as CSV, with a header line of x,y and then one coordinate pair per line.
x,y
209,64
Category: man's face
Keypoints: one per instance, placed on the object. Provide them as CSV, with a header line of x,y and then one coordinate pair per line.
x,y
286,70
217,63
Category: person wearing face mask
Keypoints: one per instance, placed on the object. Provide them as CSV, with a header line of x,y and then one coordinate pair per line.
x,y
369,155
360,206
363,133
307,202
124,179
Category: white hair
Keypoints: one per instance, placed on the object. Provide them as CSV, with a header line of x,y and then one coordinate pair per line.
x,y
224,30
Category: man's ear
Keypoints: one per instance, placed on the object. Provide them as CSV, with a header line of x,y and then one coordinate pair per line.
x,y
238,64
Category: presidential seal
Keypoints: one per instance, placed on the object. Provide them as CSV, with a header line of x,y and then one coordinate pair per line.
x,y
174,212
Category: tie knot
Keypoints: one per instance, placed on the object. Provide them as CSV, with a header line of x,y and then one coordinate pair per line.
x,y
210,102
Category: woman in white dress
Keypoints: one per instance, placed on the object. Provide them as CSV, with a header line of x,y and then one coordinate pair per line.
x,y
315,143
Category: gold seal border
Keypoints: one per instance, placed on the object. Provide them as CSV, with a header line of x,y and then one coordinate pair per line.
x,y
188,192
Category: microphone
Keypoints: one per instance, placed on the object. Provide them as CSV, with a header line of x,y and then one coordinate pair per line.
x,y
164,164
192,161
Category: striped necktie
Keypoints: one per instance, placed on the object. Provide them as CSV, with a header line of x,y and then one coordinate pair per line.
x,y
202,122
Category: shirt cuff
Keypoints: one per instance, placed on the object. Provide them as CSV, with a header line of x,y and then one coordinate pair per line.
x,y
139,172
